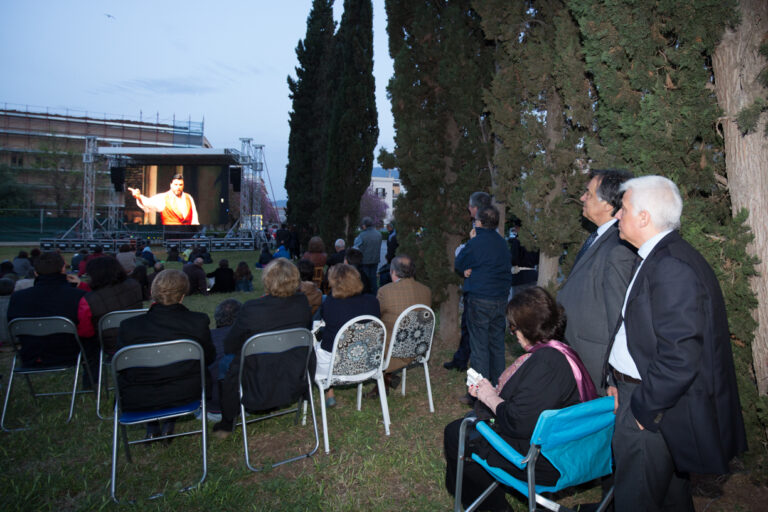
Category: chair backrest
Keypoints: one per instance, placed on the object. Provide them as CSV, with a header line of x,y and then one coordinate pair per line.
x,y
412,335
42,326
273,368
577,440
154,355
358,347
113,319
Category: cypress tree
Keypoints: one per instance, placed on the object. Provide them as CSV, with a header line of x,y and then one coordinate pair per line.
x,y
353,129
442,63
541,116
311,93
656,114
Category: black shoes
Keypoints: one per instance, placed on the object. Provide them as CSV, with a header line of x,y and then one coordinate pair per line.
x,y
455,365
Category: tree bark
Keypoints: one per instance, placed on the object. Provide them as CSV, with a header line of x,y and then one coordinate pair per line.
x,y
449,330
736,63
548,268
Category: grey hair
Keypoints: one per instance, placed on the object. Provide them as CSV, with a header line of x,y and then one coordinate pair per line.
x,y
340,243
403,266
659,196
479,199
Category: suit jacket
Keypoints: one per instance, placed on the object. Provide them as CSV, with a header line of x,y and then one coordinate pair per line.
x,y
677,334
394,298
592,297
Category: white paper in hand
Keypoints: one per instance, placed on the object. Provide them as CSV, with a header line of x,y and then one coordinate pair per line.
x,y
473,377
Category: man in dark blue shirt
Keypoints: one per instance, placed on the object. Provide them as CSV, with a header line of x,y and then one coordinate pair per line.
x,y
485,263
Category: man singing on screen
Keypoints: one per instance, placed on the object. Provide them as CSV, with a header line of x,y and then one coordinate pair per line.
x,y
176,208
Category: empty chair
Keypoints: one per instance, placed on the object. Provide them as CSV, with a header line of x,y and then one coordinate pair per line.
x,y
109,322
357,355
412,339
156,356
274,373
576,440
43,326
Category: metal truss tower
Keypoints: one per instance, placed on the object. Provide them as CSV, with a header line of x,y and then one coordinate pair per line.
x,y
251,160
89,187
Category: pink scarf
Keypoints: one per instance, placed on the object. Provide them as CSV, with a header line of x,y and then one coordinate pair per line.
x,y
583,381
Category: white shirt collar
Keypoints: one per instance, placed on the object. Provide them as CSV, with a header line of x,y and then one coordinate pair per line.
x,y
604,227
644,250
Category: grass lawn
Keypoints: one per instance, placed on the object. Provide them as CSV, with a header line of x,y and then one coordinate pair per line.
x,y
60,466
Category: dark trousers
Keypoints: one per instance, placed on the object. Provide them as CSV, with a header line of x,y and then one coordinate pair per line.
x,y
645,476
486,323
230,394
370,272
475,480
461,355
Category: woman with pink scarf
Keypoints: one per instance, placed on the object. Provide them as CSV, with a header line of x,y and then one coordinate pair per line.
x,y
549,375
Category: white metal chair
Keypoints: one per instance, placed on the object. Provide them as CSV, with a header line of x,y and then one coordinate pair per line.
x,y
412,338
357,355
274,372
155,355
43,326
111,320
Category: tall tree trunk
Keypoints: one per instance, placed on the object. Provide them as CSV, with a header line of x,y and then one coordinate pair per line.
x,y
449,331
736,64
548,268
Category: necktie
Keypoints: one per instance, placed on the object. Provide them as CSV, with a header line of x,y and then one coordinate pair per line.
x,y
587,243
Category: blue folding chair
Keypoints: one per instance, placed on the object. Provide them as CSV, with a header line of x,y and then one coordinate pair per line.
x,y
111,320
43,326
155,355
289,351
576,440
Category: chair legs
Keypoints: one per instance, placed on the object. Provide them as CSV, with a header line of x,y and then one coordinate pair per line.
x,y
7,395
384,405
429,387
325,418
101,384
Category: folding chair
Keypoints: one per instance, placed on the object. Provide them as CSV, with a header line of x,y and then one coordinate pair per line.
x,y
357,355
263,388
109,321
576,440
412,339
155,355
43,326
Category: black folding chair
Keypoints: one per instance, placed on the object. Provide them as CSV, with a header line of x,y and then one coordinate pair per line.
x,y
290,351
156,355
43,326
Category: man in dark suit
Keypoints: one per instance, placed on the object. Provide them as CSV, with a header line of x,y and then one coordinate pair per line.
x,y
594,292
670,363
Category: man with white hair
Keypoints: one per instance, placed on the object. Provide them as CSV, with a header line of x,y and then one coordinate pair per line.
x,y
670,365
338,256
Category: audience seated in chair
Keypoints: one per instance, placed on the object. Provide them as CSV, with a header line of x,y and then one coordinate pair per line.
x,y
224,316
166,320
53,294
549,375
283,307
345,302
308,287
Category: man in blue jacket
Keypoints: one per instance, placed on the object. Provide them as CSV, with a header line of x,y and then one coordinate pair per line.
x,y
485,263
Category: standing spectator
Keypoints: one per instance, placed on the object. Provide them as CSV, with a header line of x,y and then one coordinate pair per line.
x,y
126,258
293,243
243,278
599,277
282,236
488,277
369,243
316,252
355,258
524,263
224,278
197,279
670,363
460,359
392,243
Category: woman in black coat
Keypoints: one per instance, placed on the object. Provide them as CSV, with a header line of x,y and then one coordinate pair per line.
x,y
542,378
167,320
